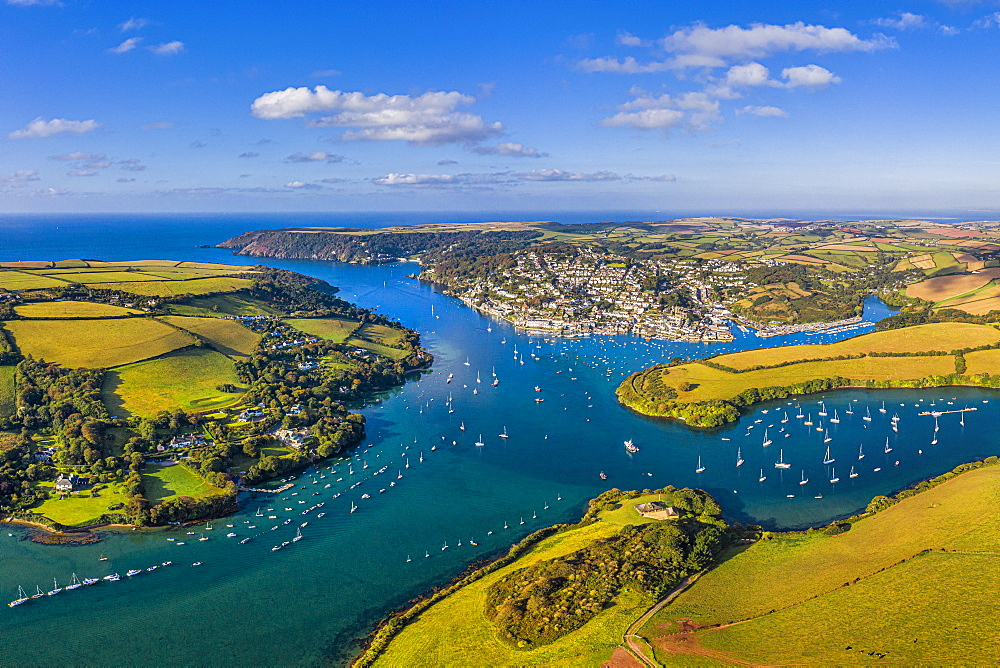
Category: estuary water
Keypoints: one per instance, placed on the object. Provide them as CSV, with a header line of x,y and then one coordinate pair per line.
x,y
447,501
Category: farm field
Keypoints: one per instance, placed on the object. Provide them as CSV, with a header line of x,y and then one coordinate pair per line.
x,y
947,287
331,329
6,391
96,343
939,599
377,348
219,305
715,384
386,336
186,379
83,507
16,280
164,288
163,483
454,631
229,337
935,336
72,310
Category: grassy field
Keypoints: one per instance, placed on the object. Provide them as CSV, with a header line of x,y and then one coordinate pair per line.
x,y
377,348
200,286
163,483
454,632
96,343
944,336
331,329
81,508
227,336
72,310
16,280
715,384
943,601
946,287
184,379
216,305
6,391
100,277
386,336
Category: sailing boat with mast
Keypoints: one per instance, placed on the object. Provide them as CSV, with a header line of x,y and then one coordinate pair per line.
x,y
700,467
767,441
822,410
826,436
852,474
882,410
861,452
867,417
833,476
739,458
762,477
804,478
504,433
887,448
74,583
480,443
21,599
781,464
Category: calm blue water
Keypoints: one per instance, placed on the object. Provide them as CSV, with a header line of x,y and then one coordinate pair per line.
x,y
306,603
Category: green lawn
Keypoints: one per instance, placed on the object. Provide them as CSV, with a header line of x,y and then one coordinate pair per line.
x,y
81,508
218,305
186,379
331,329
200,286
6,391
803,577
163,483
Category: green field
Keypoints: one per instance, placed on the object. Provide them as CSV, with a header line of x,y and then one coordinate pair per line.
x,y
216,305
96,343
163,483
72,310
944,336
162,288
229,337
377,348
6,391
794,589
16,280
81,508
386,336
100,277
185,379
331,329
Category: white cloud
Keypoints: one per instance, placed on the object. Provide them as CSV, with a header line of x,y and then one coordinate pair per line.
x,y
646,112
332,179
761,40
100,164
20,176
429,119
988,21
126,46
315,156
562,175
751,74
157,125
82,172
628,65
393,179
42,128
132,165
628,39
811,76
77,155
168,48
765,112
124,179
509,149
133,24
447,161
948,30
903,21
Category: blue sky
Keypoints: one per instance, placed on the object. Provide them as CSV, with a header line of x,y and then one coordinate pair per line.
x,y
516,106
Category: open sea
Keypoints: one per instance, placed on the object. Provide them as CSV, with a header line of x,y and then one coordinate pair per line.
x,y
310,602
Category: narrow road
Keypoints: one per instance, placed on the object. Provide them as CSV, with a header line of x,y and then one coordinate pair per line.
x,y
636,643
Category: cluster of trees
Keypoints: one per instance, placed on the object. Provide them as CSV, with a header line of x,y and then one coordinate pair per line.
x,y
19,472
538,604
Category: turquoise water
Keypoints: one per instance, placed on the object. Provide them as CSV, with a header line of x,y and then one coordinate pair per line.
x,y
307,603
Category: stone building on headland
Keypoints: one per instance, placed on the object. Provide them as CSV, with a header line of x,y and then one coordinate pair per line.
x,y
657,510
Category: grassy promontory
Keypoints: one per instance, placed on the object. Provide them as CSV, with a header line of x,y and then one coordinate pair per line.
x,y
563,595
709,392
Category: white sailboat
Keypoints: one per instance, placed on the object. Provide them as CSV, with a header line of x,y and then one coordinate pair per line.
x,y
867,417
739,458
861,452
480,443
826,436
700,467
785,419
852,474
809,420
74,583
767,441
462,426
827,459
882,410
504,433
631,447
762,477
478,379
887,448
835,419
822,410
781,464
804,478
962,421
833,476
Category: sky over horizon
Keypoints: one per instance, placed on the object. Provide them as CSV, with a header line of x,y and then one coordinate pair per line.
x,y
457,106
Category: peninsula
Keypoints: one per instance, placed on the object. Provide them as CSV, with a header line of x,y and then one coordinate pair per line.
x,y
688,279
149,392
